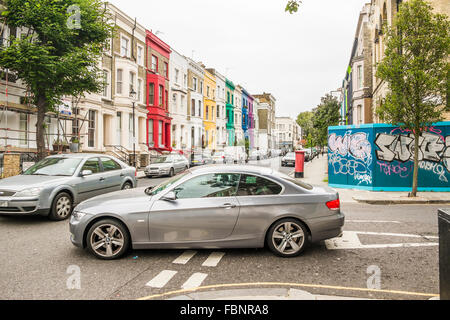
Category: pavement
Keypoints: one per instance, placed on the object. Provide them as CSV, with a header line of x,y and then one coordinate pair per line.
x,y
316,172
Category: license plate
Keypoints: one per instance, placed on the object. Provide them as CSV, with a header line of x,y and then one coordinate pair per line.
x,y
3,204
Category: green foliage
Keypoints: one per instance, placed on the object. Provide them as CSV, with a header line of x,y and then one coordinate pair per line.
x,y
415,67
325,115
54,59
304,120
292,6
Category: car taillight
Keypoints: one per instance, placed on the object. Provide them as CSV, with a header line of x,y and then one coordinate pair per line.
x,y
334,204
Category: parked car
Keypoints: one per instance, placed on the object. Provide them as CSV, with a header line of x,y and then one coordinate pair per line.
x,y
170,165
308,155
220,157
254,155
54,185
236,153
288,159
210,207
199,159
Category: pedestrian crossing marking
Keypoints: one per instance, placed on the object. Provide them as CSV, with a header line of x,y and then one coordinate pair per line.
x,y
213,259
194,281
161,279
185,257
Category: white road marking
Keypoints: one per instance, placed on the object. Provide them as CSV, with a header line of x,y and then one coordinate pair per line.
x,y
185,257
194,281
161,279
350,240
213,259
372,221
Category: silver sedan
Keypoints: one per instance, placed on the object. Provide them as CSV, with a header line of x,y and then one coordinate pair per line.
x,y
217,206
54,185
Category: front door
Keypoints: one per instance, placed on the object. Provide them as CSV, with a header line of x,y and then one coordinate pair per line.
x,y
91,185
205,209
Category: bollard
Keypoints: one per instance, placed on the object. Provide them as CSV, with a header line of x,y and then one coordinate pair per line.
x,y
299,164
444,253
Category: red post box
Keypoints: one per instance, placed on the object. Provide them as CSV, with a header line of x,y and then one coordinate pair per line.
x,y
299,164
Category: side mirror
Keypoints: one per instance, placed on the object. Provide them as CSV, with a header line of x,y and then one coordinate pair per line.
x,y
170,196
86,173
148,190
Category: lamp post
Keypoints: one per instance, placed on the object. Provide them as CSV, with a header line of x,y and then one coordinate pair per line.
x,y
133,96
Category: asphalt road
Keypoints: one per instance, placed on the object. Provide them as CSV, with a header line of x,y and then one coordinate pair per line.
x,y
38,261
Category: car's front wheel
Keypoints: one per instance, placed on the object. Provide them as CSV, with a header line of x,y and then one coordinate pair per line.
x,y
61,207
171,172
127,185
108,239
287,238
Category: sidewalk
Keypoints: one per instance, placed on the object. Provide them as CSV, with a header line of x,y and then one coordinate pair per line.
x,y
316,171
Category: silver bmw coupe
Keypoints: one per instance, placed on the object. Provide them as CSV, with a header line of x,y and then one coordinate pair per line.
x,y
215,206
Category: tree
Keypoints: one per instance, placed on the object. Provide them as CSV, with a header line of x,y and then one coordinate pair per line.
x,y
59,55
416,69
304,120
292,6
325,115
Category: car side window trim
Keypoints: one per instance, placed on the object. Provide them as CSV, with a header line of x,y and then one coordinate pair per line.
x,y
99,164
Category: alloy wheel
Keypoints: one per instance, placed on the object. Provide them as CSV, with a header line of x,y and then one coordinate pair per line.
x,y
107,240
63,206
288,238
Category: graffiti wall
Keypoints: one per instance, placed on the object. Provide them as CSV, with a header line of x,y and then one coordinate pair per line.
x,y
380,157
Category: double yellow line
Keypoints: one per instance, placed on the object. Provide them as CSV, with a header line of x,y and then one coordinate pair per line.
x,y
260,284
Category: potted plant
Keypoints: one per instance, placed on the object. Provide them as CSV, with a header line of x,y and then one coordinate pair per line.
x,y
74,144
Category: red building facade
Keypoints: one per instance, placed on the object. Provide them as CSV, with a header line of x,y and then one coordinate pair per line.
x,y
158,119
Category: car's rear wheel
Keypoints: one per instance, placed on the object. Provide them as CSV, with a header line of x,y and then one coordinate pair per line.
x,y
108,239
127,185
61,207
287,238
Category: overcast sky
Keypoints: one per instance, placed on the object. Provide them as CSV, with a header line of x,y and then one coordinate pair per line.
x,y
298,58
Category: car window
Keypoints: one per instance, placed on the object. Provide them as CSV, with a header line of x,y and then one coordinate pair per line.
x,y
54,166
92,164
250,185
110,165
208,186
166,184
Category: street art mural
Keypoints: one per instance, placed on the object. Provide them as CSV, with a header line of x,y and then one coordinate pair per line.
x,y
380,157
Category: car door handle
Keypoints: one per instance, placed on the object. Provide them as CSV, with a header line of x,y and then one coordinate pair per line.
x,y
102,179
228,206
122,175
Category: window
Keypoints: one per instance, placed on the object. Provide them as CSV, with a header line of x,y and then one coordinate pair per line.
x,y
194,83
207,91
207,113
199,108
124,47
139,90
166,69
23,127
132,79
177,73
151,93
160,129
154,63
119,81
185,80
150,132
201,87
208,186
256,186
218,112
92,164
174,102
193,107
105,83
110,165
166,97
359,73
91,129
140,55
161,93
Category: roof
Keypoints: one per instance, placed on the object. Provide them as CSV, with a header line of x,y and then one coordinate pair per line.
x,y
232,168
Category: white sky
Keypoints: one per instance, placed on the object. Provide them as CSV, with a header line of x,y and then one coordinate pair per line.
x,y
298,58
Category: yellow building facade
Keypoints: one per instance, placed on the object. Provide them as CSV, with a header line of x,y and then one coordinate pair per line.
x,y
209,111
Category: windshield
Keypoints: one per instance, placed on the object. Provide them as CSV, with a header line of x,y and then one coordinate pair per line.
x,y
166,184
298,182
164,159
291,155
54,167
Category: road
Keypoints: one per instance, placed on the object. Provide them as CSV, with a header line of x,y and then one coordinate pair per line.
x,y
393,248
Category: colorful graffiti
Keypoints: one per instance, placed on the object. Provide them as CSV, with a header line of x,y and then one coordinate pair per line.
x,y
380,157
351,154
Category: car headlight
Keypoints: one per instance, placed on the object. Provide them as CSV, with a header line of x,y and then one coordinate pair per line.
x,y
30,192
77,215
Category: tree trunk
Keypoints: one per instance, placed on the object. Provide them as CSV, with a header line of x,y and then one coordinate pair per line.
x,y
40,130
416,164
